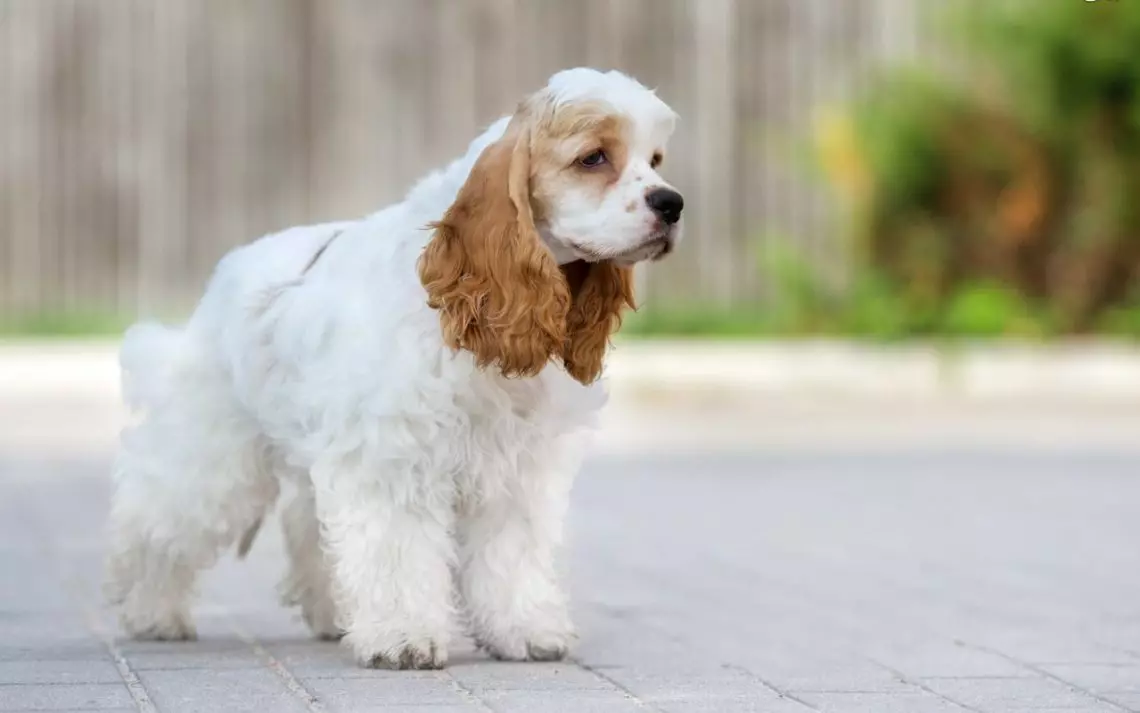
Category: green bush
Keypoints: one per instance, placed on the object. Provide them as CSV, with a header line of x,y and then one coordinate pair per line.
x,y
1008,203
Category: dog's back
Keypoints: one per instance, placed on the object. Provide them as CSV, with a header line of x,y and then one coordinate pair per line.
x,y
249,274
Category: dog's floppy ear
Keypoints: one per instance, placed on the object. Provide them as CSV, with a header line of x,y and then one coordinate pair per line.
x,y
499,291
601,292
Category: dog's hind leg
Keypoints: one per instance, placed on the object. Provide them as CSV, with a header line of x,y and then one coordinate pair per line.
x,y
173,513
190,479
308,583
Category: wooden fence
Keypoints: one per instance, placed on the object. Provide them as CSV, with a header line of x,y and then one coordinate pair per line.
x,y
140,139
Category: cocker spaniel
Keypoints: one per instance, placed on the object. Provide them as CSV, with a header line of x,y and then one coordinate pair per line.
x,y
422,380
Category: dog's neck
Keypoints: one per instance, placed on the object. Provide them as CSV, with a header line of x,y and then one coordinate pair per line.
x,y
573,267
563,254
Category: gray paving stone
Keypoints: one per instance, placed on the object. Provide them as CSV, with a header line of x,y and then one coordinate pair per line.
x,y
59,672
499,676
1089,708
722,684
1129,701
850,677
1123,678
693,579
1010,693
732,705
342,694
63,696
562,702
209,691
373,707
879,703
1060,648
176,660
231,645
59,627
318,655
78,650
88,710
951,661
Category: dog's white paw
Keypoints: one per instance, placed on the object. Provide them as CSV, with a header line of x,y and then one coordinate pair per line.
x,y
170,626
318,610
321,620
398,651
410,657
552,644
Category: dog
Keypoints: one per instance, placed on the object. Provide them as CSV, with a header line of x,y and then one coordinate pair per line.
x,y
422,382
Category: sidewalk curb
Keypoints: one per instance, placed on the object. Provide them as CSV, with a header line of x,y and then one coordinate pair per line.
x,y
654,370
1097,371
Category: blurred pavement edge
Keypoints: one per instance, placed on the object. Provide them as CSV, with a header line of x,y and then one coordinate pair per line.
x,y
58,394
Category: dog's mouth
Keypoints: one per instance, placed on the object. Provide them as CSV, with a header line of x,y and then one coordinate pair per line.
x,y
653,250
660,244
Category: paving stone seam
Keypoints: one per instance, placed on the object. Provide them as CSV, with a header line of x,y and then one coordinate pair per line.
x,y
920,685
630,695
134,685
464,692
769,685
1051,676
291,682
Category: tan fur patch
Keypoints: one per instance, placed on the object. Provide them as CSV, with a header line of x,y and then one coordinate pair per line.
x,y
498,290
570,135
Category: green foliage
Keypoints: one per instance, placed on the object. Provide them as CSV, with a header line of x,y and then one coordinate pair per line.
x,y
991,310
898,123
1065,63
1122,322
1008,203
62,324
873,307
700,321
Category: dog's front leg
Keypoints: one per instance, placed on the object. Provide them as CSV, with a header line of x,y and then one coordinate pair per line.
x,y
388,537
510,542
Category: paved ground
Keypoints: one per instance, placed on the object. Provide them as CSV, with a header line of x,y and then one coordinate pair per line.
x,y
911,578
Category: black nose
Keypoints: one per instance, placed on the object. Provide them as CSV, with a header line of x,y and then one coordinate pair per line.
x,y
666,203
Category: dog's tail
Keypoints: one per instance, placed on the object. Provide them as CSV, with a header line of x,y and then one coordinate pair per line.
x,y
149,358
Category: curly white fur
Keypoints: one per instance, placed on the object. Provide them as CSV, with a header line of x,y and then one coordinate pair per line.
x,y
314,362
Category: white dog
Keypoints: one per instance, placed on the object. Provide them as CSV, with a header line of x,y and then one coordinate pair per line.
x,y
421,378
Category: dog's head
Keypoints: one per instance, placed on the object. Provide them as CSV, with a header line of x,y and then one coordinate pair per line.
x,y
533,259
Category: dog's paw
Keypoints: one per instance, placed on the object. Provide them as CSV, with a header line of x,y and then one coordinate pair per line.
x,y
410,657
547,652
552,645
321,620
392,650
318,610
168,627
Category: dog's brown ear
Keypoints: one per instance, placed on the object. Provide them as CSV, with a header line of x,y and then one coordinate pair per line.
x,y
601,292
499,291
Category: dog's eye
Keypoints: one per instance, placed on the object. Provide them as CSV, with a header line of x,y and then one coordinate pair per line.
x,y
594,159
656,160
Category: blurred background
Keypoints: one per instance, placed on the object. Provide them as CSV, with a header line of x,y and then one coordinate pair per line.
x,y
873,434
877,168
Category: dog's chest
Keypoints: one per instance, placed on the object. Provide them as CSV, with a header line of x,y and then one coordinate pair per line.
x,y
503,410
513,425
